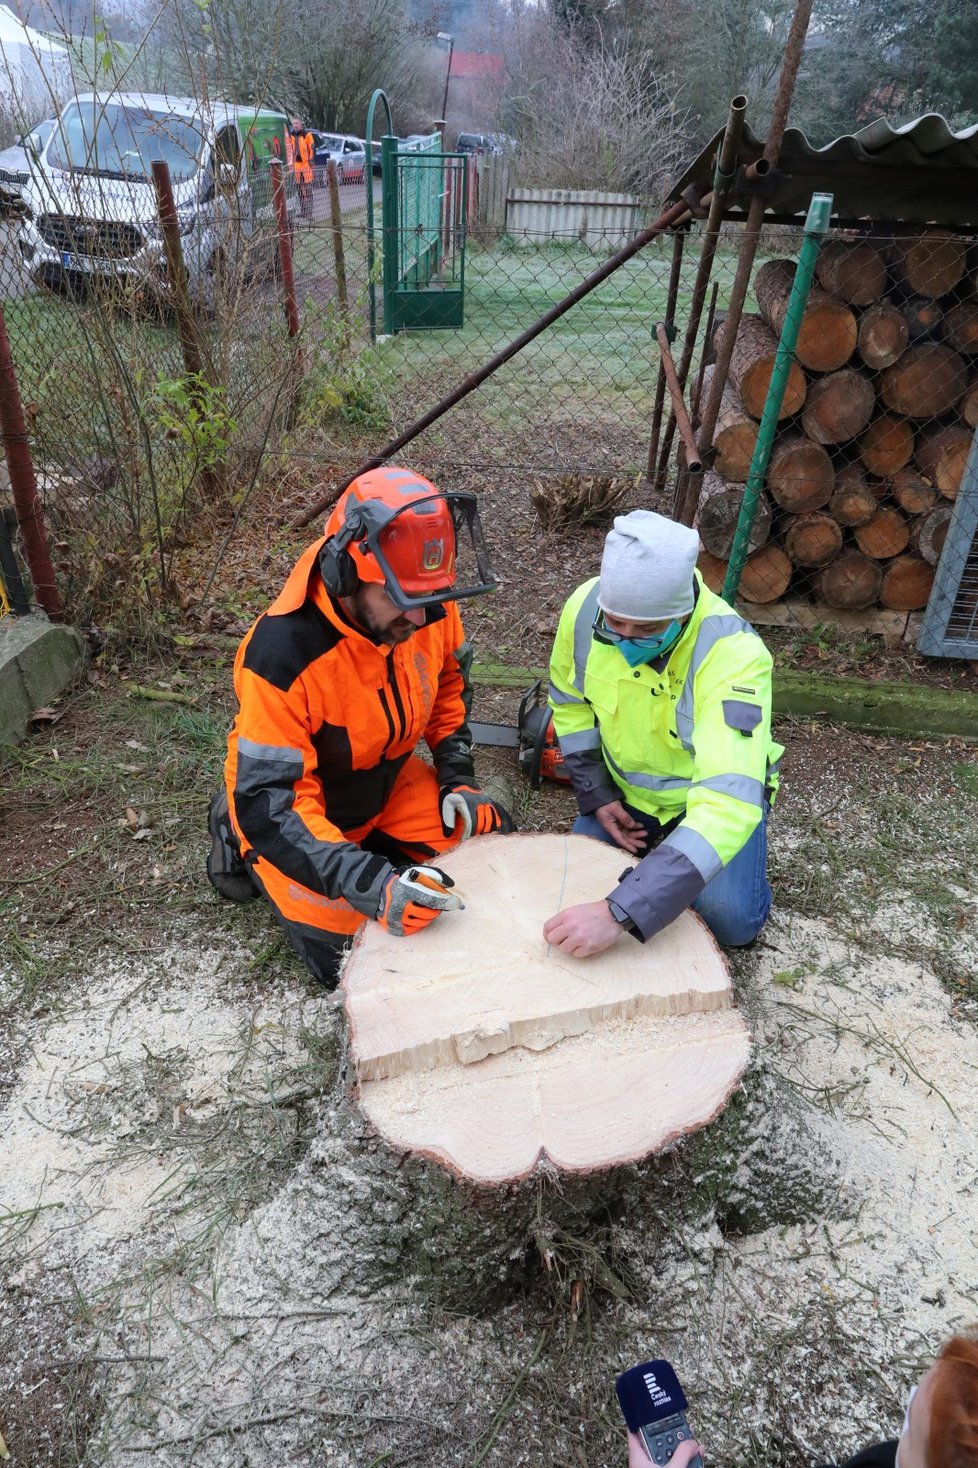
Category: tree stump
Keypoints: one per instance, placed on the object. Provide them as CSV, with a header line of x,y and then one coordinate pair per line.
x,y
855,270
930,263
883,336
735,435
886,535
800,474
477,1045
827,336
751,366
812,540
941,456
886,445
927,381
913,494
906,584
930,533
718,511
850,583
838,407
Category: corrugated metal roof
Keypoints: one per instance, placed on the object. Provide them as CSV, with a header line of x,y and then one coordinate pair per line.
x,y
921,173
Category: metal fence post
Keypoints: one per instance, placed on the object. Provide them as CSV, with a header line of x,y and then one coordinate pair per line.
x,y
285,247
379,95
336,218
388,226
23,483
816,226
176,266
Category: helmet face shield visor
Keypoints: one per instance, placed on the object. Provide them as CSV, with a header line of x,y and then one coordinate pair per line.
x,y
431,551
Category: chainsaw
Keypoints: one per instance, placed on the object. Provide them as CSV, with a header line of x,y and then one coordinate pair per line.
x,y
533,737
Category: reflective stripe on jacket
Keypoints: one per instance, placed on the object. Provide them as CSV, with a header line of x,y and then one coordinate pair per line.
x,y
686,739
326,720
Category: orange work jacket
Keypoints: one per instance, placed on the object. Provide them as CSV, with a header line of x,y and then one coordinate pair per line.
x,y
326,720
305,153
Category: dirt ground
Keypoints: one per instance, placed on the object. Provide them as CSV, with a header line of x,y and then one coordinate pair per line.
x,y
186,1198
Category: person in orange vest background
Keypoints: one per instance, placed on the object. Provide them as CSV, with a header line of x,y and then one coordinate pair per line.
x,y
304,155
327,810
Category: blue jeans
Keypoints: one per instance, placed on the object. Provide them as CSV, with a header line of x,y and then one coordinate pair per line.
x,y
736,903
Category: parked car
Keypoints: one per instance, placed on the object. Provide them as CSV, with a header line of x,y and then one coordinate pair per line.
x,y
90,208
349,154
476,143
16,162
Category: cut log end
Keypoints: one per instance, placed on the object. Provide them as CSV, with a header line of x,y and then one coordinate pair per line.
x,y
850,583
884,536
828,331
476,1053
812,540
838,407
906,584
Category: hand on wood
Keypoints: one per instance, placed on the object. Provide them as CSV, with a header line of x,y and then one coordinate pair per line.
x,y
639,1458
624,830
582,931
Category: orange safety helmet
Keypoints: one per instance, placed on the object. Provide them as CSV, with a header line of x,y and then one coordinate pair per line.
x,y
393,527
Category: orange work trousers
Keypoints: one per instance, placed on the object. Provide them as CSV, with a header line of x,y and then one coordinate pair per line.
x,y
408,829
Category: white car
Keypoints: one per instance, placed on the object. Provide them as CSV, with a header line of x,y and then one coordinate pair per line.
x,y
16,162
349,155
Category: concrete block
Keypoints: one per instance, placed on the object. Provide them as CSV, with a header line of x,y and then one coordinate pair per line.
x,y
38,659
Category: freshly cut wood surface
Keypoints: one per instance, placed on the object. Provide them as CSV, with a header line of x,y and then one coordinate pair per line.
x,y
735,435
850,583
941,456
718,512
884,335
838,407
886,535
852,269
930,263
927,381
907,583
827,336
886,445
766,575
478,1044
811,540
752,363
913,494
800,474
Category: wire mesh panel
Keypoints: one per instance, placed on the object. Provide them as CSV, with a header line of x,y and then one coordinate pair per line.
x,y
950,627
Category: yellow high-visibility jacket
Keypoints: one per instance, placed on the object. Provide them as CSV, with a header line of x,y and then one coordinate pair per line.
x,y
685,739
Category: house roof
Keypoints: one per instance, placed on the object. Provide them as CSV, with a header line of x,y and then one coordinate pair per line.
x,y
921,173
477,64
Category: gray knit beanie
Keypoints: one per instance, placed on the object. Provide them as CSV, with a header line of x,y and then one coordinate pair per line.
x,y
647,568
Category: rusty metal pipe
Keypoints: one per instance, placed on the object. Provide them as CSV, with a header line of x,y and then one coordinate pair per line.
x,y
694,464
23,484
285,248
193,360
675,214
660,386
790,63
723,178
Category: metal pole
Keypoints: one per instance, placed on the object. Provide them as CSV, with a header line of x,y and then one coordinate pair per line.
x,y
748,246
378,95
336,219
177,269
448,77
660,386
674,215
23,484
816,226
723,176
693,462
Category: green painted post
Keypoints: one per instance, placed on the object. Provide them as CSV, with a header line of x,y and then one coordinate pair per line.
x,y
816,226
390,234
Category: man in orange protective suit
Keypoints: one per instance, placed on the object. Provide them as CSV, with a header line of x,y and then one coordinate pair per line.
x,y
303,162
327,810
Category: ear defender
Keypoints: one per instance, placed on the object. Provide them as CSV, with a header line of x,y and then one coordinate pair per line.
x,y
336,566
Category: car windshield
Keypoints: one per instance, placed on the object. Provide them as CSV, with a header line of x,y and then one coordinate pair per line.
x,y
124,142
330,141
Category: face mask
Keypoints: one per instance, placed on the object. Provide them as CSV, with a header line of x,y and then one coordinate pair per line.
x,y
638,650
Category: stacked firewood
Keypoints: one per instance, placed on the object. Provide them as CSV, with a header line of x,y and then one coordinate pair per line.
x,y
874,432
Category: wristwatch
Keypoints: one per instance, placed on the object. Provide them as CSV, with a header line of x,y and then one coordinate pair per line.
x,y
622,919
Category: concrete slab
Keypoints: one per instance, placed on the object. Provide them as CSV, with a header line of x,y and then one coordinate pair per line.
x,y
38,659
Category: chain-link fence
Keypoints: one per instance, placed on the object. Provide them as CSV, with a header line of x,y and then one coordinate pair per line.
x,y
867,462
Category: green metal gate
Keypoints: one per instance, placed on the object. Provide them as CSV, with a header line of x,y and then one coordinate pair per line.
x,y
423,212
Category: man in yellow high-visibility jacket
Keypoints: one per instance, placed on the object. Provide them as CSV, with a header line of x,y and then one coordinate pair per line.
x,y
661,698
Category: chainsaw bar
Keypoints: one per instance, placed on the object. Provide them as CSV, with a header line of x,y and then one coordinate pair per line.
x,y
506,736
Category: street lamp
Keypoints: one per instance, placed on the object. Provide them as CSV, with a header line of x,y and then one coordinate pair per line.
x,y
444,36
